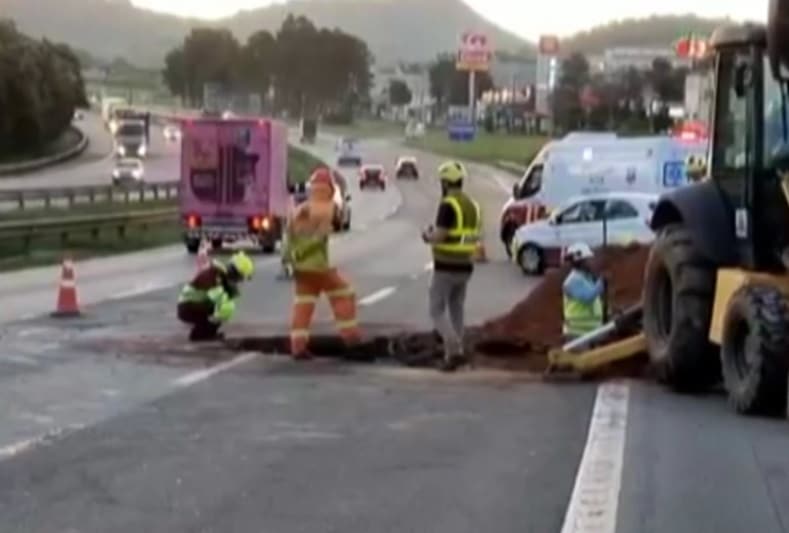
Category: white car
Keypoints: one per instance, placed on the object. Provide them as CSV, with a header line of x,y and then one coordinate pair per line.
x,y
172,133
127,169
348,154
624,216
406,167
342,200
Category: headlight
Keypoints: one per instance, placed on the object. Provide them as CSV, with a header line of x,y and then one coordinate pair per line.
x,y
122,150
137,174
116,174
141,150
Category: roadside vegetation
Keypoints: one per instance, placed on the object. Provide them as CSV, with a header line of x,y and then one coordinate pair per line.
x,y
488,148
47,250
40,86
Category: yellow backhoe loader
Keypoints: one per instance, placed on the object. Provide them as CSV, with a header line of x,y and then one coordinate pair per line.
x,y
716,288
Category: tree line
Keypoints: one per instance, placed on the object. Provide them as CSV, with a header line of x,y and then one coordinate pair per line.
x,y
617,101
40,87
309,70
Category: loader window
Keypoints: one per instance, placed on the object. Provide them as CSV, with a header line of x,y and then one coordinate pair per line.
x,y
731,115
774,115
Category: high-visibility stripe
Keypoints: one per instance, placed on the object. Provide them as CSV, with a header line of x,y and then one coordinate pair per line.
x,y
340,292
299,333
305,299
347,324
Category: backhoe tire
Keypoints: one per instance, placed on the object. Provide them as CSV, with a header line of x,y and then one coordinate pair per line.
x,y
679,289
755,351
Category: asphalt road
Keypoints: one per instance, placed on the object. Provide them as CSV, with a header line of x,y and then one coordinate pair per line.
x,y
112,423
95,166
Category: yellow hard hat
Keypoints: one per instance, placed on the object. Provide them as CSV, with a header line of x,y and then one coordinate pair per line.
x,y
243,264
451,172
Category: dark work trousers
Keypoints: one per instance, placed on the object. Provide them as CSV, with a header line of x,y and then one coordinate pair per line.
x,y
196,314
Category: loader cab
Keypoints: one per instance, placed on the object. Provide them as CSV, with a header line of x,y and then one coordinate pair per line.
x,y
748,143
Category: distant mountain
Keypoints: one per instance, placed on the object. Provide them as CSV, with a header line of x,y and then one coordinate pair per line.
x,y
652,31
395,30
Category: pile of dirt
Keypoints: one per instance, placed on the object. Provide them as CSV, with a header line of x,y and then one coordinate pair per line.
x,y
526,333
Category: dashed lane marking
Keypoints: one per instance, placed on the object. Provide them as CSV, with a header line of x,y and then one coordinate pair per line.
x,y
377,296
201,375
595,498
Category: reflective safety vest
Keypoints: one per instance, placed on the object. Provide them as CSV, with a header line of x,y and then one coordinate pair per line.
x,y
224,306
580,318
308,253
462,240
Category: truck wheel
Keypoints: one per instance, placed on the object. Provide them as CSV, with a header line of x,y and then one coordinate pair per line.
x,y
268,247
347,225
192,245
755,351
216,244
679,289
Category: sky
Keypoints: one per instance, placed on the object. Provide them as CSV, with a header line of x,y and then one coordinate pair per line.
x,y
519,16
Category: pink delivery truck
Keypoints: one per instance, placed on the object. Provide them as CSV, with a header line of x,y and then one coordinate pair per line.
x,y
233,181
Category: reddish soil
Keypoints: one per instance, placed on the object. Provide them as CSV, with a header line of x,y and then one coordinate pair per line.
x,y
524,335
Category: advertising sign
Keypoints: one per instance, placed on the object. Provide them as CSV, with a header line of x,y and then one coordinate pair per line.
x,y
475,52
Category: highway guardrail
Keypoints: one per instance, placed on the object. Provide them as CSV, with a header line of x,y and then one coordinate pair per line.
x,y
36,164
64,226
88,194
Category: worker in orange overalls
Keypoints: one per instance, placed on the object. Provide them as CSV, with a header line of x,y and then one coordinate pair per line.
x,y
307,251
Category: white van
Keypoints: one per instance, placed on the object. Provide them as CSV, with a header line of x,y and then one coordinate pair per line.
x,y
583,164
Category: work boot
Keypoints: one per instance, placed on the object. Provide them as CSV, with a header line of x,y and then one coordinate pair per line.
x,y
453,362
206,335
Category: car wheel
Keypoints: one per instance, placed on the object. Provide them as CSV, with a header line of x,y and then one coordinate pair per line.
x,y
192,245
531,259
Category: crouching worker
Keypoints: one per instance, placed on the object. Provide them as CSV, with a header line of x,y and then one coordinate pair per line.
x,y
583,294
209,300
307,249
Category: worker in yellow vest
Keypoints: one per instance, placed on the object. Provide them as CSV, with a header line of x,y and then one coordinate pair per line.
x,y
453,240
307,252
583,294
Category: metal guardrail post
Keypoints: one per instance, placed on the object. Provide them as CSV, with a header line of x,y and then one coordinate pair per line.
x,y
47,201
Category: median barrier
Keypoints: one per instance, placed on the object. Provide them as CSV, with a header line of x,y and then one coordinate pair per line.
x,y
64,226
89,194
37,164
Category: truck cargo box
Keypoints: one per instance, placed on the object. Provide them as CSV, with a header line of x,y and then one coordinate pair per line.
x,y
233,181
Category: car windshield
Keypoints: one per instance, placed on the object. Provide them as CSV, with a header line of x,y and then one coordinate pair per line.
x,y
373,172
131,129
128,165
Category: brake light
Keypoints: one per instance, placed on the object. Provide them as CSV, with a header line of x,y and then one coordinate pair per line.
x,y
193,221
258,223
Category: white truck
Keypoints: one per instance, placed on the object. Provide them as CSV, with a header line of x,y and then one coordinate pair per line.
x,y
108,106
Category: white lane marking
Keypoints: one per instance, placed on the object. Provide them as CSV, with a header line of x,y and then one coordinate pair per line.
x,y
21,360
140,289
593,505
503,184
202,375
12,450
377,296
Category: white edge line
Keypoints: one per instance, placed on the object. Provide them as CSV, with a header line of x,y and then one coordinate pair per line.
x,y
12,450
202,375
377,296
595,498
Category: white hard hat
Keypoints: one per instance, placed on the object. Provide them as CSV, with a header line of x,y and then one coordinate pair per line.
x,y
578,252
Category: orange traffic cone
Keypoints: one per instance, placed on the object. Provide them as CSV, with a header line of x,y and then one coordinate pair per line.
x,y
203,259
67,305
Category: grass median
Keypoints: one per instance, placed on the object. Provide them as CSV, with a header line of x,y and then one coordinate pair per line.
x,y
491,149
50,249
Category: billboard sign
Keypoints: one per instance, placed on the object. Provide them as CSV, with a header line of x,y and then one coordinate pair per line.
x,y
475,52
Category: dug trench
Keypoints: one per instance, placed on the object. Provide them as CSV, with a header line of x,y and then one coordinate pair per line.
x,y
517,341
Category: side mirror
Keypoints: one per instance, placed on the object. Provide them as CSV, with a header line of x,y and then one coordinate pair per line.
x,y
742,80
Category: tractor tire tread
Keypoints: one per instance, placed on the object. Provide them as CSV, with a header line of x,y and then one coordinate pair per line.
x,y
763,389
